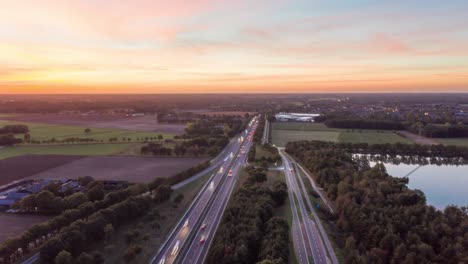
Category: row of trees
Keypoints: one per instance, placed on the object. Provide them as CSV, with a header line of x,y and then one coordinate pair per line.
x,y
429,151
364,124
39,233
248,233
9,140
75,237
14,129
444,131
156,149
382,220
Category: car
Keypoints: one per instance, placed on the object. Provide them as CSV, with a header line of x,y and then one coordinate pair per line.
x,y
186,223
230,173
203,227
175,250
202,239
162,261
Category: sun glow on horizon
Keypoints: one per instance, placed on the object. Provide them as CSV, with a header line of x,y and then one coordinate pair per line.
x,y
227,46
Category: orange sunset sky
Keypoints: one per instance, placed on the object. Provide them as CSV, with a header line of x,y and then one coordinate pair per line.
x,y
217,46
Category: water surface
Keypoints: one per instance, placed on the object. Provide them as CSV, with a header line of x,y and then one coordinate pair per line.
x,y
443,185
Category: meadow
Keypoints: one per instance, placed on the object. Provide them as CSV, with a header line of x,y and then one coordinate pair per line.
x,y
453,141
284,132
41,131
125,141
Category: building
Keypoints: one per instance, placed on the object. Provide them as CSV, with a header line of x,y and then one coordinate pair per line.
x,y
297,117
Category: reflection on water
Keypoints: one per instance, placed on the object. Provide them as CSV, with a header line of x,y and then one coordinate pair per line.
x,y
443,185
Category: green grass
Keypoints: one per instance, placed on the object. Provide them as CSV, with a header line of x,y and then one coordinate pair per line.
x,y
453,141
85,150
282,137
372,137
284,132
39,131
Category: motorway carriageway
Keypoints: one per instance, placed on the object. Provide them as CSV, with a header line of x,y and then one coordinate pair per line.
x,y
306,237
198,249
188,225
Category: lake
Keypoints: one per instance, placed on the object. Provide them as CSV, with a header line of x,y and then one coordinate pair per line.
x,y
443,185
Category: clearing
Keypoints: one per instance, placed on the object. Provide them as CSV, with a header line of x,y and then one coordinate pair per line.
x,y
125,168
284,132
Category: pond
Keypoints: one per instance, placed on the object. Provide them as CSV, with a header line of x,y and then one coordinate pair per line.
x,y
442,184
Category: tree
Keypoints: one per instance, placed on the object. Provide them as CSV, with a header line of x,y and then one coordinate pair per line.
x,y
64,257
87,130
279,193
44,200
179,198
84,181
95,193
84,258
27,137
108,230
74,200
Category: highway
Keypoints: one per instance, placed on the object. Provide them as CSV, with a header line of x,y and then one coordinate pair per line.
x,y
306,237
266,132
210,201
197,251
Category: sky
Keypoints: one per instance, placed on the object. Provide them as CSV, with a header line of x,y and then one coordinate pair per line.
x,y
233,46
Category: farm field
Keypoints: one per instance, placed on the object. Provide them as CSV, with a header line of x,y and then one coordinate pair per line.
x,y
17,168
125,168
14,224
140,123
284,132
41,131
77,149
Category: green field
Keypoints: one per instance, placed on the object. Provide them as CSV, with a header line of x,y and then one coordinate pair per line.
x,y
284,132
77,149
41,132
453,141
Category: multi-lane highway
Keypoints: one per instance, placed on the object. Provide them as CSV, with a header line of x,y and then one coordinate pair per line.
x,y
206,210
307,239
198,249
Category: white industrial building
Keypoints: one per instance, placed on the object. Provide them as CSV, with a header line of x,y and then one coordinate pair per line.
x,y
298,117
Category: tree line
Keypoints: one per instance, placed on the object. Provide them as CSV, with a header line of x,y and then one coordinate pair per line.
x,y
14,129
381,220
429,151
442,131
248,232
37,234
9,140
202,137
